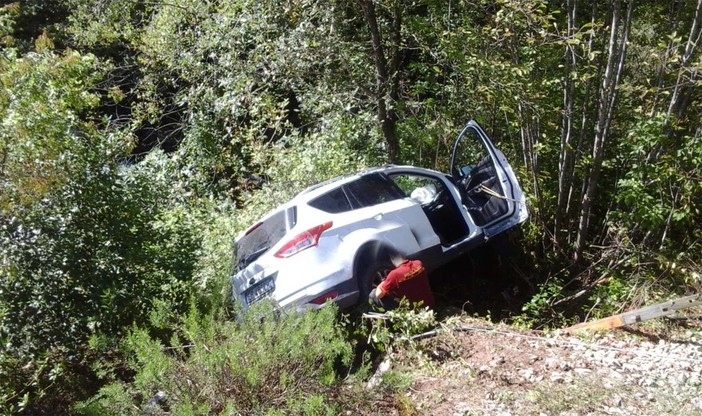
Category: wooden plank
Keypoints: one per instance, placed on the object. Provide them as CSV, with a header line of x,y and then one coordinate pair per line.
x,y
598,325
638,315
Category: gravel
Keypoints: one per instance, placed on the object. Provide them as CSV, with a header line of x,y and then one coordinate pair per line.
x,y
665,371
505,371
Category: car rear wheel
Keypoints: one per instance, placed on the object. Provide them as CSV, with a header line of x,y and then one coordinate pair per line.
x,y
373,274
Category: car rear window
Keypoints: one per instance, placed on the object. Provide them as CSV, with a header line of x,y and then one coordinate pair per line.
x,y
260,238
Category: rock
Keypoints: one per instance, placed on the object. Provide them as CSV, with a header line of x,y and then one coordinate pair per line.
x,y
557,377
526,373
377,377
497,361
462,409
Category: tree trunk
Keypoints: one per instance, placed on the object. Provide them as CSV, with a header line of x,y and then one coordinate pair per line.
x,y
607,101
676,102
566,156
673,16
387,82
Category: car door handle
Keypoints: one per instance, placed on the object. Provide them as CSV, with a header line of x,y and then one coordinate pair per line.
x,y
378,216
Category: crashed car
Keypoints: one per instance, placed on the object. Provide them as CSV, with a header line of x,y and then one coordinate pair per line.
x,y
333,240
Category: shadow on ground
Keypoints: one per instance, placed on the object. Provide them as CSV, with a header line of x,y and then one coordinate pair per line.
x,y
487,281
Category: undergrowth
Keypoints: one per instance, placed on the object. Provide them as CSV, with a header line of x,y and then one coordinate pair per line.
x,y
263,363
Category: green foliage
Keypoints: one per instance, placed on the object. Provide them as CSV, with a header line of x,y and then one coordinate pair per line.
x,y
629,275
661,194
94,240
113,25
265,363
385,331
8,14
90,246
92,258
43,103
215,221
539,309
227,79
21,22
636,276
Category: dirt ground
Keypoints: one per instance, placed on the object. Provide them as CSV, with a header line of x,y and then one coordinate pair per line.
x,y
474,367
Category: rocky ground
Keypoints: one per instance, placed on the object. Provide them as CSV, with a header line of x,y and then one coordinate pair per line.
x,y
473,367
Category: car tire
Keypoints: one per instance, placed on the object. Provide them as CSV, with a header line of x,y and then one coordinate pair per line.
x,y
371,276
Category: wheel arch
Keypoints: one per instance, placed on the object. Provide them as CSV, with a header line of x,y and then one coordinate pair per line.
x,y
371,256
369,253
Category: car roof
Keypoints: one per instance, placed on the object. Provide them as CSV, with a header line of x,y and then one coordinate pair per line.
x,y
323,187
333,183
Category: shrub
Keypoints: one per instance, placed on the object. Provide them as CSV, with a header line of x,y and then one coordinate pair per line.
x,y
264,363
386,330
93,257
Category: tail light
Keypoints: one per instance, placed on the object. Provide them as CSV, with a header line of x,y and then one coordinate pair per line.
x,y
321,299
302,241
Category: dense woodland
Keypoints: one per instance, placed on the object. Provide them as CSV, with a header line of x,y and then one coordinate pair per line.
x,y
137,138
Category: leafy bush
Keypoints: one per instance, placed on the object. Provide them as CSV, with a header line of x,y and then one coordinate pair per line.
x,y
89,246
386,330
265,363
539,309
91,258
660,197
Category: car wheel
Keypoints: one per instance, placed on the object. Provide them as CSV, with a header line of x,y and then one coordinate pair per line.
x,y
372,276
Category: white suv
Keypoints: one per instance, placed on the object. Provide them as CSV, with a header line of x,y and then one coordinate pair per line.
x,y
333,240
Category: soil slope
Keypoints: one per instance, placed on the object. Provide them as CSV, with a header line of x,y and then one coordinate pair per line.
x,y
472,367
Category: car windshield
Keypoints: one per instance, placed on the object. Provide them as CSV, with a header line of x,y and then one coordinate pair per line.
x,y
259,239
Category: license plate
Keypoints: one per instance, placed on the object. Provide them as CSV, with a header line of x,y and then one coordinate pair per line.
x,y
260,291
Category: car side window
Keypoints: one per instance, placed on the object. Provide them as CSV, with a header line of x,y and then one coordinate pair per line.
x,y
371,190
332,202
422,189
470,153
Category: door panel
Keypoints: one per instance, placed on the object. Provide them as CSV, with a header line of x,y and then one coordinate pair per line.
x,y
483,193
489,189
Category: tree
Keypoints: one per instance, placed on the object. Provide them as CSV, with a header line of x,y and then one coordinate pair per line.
x,y
89,247
387,56
608,92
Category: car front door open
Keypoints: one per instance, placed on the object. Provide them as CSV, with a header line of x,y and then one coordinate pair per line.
x,y
489,189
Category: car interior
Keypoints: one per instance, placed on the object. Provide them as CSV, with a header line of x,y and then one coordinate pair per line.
x,y
482,194
440,208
